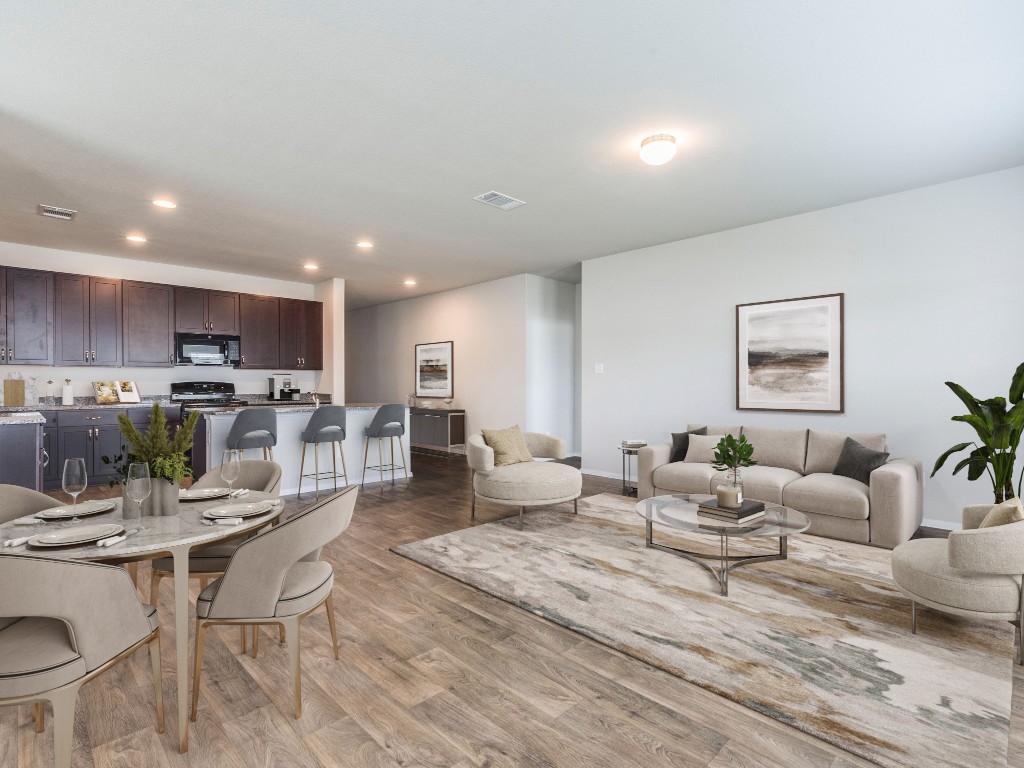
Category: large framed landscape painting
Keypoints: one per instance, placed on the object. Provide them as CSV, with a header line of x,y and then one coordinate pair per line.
x,y
434,369
789,355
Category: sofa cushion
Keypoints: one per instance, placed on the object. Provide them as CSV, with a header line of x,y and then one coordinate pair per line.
x,y
921,567
786,448
535,482
681,441
761,483
701,449
823,448
682,477
37,656
828,494
1010,511
715,429
509,445
858,461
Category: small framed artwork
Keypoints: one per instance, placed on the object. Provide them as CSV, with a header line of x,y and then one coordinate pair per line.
x,y
434,369
127,392
789,355
106,392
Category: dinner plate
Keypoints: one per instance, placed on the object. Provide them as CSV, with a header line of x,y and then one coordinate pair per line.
x,y
79,534
251,509
82,509
202,494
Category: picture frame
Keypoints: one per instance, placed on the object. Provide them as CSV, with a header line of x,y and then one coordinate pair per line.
x,y
127,392
434,369
790,355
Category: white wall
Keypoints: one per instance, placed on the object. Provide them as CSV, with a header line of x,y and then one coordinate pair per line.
x,y
550,358
332,378
932,279
151,381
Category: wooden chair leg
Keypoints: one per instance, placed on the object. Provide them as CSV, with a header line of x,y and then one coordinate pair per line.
x,y
334,464
330,621
245,635
154,586
366,457
63,701
302,468
401,449
255,640
197,674
294,664
344,468
280,635
204,582
39,716
158,687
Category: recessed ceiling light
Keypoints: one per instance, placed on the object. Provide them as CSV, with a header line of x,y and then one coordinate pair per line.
x,y
364,244
165,204
136,238
311,266
410,282
658,149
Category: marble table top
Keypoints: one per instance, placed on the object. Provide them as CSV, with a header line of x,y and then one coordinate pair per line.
x,y
157,535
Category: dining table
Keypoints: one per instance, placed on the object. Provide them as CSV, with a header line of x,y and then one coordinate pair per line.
x,y
150,537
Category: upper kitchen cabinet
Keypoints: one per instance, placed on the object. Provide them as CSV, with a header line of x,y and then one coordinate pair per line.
x,y
26,316
87,320
260,329
148,324
302,334
198,310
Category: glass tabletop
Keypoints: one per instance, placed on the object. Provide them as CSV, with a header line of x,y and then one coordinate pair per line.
x,y
680,511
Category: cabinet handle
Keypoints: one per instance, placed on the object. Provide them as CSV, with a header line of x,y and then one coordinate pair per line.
x,y
94,355
243,359
87,355
206,326
46,457
3,354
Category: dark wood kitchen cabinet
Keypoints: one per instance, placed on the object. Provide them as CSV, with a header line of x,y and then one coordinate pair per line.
x,y
197,310
26,316
302,334
260,329
148,324
87,320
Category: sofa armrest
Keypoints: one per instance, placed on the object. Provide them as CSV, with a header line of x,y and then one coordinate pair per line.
x,y
973,515
479,454
897,502
648,459
544,446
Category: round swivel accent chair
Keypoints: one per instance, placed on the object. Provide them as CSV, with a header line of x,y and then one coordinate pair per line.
x,y
254,428
388,423
326,425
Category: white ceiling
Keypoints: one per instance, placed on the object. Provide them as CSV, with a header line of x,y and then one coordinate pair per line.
x,y
286,131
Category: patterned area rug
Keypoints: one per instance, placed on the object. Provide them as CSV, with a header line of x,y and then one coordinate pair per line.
x,y
820,641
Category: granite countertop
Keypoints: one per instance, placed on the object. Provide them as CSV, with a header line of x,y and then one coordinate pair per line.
x,y
22,417
285,407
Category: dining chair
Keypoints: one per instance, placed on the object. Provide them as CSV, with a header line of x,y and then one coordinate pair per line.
x,y
16,502
66,636
277,577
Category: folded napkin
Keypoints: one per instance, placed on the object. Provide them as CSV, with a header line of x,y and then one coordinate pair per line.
x,y
111,541
228,521
28,521
239,492
16,542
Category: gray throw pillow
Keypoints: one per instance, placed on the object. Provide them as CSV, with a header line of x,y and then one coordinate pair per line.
x,y
858,462
681,441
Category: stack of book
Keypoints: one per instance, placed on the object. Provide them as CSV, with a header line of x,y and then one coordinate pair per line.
x,y
747,511
634,444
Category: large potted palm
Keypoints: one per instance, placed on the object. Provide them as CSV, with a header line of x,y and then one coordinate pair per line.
x,y
998,422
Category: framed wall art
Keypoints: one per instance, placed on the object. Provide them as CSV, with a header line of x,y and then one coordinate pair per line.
x,y
789,355
434,369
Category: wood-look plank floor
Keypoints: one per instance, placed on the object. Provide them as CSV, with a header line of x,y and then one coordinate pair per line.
x,y
432,673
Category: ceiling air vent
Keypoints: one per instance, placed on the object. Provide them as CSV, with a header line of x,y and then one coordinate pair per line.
x,y
64,214
499,200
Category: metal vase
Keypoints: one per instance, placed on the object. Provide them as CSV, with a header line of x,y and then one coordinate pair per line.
x,y
163,501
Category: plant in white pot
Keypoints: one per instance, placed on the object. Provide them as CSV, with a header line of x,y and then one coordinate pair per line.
x,y
166,455
999,423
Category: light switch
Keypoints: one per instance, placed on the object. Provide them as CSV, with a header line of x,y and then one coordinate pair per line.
x,y
598,367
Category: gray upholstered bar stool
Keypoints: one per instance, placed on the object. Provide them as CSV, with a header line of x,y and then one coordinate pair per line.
x,y
326,425
388,423
254,428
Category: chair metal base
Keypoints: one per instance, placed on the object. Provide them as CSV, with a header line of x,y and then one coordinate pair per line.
x,y
1018,623
381,467
336,448
522,509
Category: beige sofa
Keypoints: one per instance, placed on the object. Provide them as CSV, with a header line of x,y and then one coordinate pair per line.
x,y
795,469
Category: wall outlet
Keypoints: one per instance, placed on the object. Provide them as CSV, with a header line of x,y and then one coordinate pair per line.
x,y
598,367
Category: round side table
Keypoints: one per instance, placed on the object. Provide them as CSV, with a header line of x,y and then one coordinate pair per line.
x,y
629,486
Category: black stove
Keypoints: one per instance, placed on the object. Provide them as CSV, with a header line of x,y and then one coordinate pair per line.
x,y
190,394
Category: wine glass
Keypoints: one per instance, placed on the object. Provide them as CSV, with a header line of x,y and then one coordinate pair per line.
x,y
139,484
75,481
231,467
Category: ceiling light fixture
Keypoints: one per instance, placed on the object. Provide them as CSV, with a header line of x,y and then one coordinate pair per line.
x,y
410,282
658,149
311,266
364,244
136,238
165,204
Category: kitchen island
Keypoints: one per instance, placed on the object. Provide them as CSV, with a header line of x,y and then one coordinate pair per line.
x,y
215,423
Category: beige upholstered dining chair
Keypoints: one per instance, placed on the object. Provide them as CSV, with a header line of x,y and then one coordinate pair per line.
x,y
77,620
976,573
16,502
277,577
209,562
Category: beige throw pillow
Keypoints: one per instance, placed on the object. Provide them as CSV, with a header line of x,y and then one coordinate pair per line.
x,y
1010,511
702,449
509,445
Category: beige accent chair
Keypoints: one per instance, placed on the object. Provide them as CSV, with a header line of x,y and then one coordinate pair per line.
x,y
67,636
527,484
975,573
277,577
206,563
16,502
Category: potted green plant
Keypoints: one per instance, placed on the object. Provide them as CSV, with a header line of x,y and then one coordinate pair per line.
x,y
731,454
166,455
999,423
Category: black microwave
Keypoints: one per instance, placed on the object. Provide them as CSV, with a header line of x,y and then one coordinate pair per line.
x,y
207,349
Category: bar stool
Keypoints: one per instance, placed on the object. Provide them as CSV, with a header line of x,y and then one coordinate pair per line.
x,y
254,428
388,422
326,425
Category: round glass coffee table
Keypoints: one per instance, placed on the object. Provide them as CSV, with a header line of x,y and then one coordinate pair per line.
x,y
680,512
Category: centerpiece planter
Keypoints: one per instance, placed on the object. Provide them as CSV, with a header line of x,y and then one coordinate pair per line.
x,y
731,455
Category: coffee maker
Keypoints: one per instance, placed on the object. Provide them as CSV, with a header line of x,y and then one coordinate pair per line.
x,y
281,387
